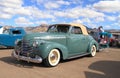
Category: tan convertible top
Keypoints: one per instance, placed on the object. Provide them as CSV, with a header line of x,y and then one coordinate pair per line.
x,y
83,28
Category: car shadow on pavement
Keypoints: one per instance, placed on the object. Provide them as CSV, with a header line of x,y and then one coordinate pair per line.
x,y
6,48
24,64
104,69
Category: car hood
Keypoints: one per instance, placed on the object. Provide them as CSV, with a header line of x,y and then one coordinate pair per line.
x,y
44,36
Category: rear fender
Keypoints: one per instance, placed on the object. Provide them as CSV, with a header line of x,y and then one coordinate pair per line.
x,y
93,43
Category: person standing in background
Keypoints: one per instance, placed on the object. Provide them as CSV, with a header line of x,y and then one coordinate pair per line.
x,y
100,29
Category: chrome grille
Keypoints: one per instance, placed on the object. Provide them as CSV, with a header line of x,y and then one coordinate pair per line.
x,y
26,48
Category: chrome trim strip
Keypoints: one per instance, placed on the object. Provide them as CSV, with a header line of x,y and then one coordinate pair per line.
x,y
49,37
37,59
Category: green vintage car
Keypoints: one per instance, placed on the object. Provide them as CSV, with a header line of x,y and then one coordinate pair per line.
x,y
61,41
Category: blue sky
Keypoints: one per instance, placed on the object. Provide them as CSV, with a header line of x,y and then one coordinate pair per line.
x,y
92,13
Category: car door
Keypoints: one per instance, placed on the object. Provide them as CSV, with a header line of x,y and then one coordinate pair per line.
x,y
5,39
9,37
77,42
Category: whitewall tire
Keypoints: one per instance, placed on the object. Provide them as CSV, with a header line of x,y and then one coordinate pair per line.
x,y
93,51
53,58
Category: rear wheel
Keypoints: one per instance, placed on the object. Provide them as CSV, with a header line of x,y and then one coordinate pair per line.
x,y
93,51
53,58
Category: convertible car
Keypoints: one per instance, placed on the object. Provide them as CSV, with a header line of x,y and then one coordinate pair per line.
x,y
61,41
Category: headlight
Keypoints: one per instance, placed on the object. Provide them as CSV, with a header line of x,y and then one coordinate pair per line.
x,y
35,43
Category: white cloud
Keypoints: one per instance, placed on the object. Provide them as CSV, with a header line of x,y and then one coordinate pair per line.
x,y
77,21
9,7
86,12
5,16
79,12
86,20
111,18
23,21
7,10
63,2
16,11
11,3
79,2
99,19
108,6
119,17
92,25
51,5
23,11
38,14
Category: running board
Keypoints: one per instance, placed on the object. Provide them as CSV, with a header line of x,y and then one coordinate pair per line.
x,y
80,55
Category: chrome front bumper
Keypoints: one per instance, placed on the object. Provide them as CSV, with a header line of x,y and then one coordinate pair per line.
x,y
37,59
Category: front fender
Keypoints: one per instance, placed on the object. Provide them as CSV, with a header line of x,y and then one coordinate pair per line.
x,y
47,47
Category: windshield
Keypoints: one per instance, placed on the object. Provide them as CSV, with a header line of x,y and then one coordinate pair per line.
x,y
58,28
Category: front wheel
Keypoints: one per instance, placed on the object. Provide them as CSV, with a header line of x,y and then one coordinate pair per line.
x,y
93,51
53,58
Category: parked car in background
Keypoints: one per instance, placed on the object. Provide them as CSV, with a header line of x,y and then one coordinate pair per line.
x,y
115,41
118,41
104,39
61,41
8,36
